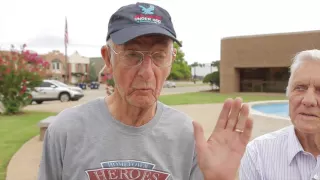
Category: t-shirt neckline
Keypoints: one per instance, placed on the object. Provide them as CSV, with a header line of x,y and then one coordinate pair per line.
x,y
132,130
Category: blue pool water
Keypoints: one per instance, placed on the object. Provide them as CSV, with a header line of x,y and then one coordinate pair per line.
x,y
279,109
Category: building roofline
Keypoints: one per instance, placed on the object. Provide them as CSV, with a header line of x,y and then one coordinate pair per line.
x,y
270,34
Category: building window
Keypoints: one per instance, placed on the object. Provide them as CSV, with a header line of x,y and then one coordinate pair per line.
x,y
73,68
56,65
79,68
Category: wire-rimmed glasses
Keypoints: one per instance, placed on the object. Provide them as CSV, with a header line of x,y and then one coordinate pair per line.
x,y
134,58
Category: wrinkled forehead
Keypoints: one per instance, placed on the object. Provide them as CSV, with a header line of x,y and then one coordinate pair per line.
x,y
149,41
307,73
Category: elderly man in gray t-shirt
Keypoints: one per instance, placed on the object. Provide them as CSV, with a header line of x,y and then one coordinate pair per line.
x,y
130,134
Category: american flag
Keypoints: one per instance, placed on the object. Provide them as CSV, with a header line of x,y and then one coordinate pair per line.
x,y
66,36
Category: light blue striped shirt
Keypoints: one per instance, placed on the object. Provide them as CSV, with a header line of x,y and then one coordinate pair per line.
x,y
278,156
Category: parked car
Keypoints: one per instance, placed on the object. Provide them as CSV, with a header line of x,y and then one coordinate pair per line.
x,y
82,85
51,90
94,85
169,84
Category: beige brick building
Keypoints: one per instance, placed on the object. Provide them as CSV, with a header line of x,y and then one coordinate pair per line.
x,y
76,70
260,63
57,69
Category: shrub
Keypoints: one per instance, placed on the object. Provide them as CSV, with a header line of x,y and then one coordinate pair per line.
x,y
20,72
212,78
108,78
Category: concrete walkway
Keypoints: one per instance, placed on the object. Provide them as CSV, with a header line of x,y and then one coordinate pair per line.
x,y
24,164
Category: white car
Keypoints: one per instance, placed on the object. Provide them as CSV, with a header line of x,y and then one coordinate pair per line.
x,y
51,90
169,84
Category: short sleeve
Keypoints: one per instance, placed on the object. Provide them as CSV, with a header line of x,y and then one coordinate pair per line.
x,y
51,164
196,173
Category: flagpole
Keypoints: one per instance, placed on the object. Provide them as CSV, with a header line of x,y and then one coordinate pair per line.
x,y
67,68
66,39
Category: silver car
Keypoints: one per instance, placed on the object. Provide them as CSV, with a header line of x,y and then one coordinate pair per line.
x,y
51,90
169,84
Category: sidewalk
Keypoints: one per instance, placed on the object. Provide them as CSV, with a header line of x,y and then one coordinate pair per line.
x,y
24,164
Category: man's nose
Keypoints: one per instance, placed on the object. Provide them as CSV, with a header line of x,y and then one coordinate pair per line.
x,y
309,98
145,69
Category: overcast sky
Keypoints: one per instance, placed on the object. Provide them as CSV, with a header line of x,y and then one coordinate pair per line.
x,y
199,24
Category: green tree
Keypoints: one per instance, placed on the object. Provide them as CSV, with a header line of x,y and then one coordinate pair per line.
x,y
216,64
214,77
194,65
93,73
180,69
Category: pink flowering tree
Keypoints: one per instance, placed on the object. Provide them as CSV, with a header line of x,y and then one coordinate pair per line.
x,y
108,78
20,72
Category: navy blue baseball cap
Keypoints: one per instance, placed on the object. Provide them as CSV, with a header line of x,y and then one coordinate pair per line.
x,y
140,19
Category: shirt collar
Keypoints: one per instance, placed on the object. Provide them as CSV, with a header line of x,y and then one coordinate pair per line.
x,y
294,145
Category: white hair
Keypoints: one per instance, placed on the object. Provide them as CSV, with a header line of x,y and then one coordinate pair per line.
x,y
298,60
111,44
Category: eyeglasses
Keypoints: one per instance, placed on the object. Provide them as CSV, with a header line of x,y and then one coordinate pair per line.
x,y
134,58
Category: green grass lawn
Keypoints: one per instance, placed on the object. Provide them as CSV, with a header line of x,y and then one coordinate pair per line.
x,y
213,97
14,132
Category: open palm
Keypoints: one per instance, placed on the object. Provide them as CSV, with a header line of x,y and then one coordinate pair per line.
x,y
219,157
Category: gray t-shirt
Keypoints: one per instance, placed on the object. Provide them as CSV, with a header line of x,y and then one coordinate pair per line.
x,y
86,143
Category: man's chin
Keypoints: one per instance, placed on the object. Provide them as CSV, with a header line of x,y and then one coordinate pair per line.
x,y
308,127
142,101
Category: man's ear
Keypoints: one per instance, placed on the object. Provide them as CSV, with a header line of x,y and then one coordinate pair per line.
x,y
174,54
106,55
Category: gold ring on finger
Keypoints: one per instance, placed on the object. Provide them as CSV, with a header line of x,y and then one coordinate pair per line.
x,y
239,130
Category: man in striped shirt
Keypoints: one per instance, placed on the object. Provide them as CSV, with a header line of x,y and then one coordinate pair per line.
x,y
291,153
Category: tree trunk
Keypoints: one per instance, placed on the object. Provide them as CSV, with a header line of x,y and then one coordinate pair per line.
x,y
2,109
